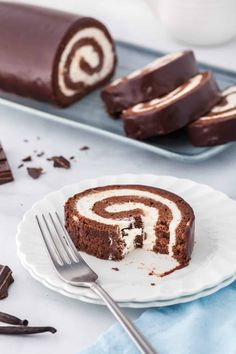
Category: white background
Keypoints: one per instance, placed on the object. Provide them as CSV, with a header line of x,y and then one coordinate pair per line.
x,y
80,324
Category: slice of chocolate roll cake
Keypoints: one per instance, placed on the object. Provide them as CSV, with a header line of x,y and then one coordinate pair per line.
x,y
218,126
53,55
111,221
154,80
173,111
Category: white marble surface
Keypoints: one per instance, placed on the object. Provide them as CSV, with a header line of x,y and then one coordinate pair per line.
x,y
79,324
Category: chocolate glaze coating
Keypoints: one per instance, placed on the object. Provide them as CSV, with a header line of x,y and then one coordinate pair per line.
x,y
32,39
218,128
149,84
174,115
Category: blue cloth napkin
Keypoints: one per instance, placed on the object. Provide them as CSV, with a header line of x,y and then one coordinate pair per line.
x,y
205,326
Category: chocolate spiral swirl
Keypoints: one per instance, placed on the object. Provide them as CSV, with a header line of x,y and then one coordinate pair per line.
x,y
88,58
130,216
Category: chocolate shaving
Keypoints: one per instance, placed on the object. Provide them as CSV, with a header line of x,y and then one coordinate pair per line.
x,y
26,140
40,154
5,280
21,165
25,330
60,161
34,172
5,170
115,268
6,318
83,148
27,159
72,158
153,284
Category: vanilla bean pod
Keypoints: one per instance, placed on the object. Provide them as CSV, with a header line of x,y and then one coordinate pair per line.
x,y
5,317
25,330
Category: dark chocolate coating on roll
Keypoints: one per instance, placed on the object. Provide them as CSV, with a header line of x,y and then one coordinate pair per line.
x,y
219,126
152,82
32,42
173,111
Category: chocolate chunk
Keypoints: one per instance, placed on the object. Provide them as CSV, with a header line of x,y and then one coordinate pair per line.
x,y
173,111
115,268
60,161
39,53
154,80
5,170
34,172
27,159
5,280
83,148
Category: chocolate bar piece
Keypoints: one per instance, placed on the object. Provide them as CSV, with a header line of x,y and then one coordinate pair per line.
x,y
5,170
154,80
5,280
52,55
173,111
218,126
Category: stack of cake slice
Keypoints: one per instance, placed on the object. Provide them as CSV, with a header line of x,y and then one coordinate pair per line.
x,y
170,94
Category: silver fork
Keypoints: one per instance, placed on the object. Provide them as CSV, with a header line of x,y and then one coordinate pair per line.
x,y
72,269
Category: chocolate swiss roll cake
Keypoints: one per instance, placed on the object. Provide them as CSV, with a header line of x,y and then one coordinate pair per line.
x,y
173,111
154,80
218,126
52,55
111,221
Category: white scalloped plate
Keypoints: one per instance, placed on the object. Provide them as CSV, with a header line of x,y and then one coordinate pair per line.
x,y
213,259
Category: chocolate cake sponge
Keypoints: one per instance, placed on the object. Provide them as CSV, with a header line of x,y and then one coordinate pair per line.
x,y
154,80
109,222
173,111
52,55
219,125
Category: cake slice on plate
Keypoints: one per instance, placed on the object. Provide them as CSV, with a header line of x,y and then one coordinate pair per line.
x,y
111,221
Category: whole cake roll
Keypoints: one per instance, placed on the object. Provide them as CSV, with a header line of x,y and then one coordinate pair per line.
x,y
111,221
154,80
52,55
173,111
218,126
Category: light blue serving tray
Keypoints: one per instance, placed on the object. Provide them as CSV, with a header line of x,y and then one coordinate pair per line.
x,y
89,113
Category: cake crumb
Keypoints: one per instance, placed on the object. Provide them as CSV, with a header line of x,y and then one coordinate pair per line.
x,y
151,273
40,154
115,268
83,148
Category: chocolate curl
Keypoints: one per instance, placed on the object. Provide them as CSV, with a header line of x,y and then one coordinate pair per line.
x,y
15,330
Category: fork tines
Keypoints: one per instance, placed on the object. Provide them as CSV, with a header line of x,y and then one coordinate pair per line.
x,y
57,240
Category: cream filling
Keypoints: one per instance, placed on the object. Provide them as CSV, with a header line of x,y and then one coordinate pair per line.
x,y
85,204
230,96
156,64
174,95
88,53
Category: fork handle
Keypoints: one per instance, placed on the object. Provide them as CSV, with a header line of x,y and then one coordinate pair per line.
x,y
128,326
